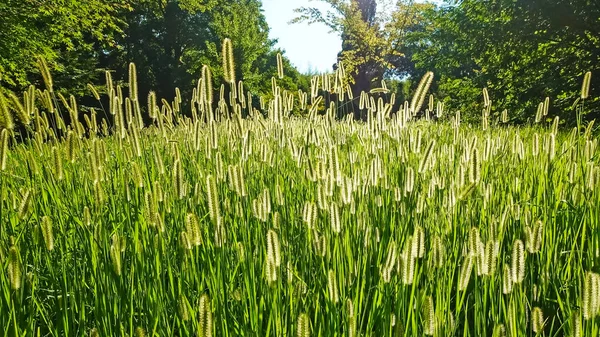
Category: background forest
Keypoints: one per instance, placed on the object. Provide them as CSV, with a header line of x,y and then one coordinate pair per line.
x,y
522,51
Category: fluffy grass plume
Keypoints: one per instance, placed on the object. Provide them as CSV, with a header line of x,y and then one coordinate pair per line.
x,y
421,92
585,86
3,149
45,72
332,287
273,248
537,320
205,317
465,273
228,61
303,326
518,262
25,205
47,232
591,296
279,66
14,268
428,316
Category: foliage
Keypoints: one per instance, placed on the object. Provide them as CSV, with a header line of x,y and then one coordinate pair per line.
x,y
68,34
169,40
522,51
365,46
374,43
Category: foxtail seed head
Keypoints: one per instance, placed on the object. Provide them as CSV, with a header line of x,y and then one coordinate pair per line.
x,y
585,87
220,233
87,217
388,267
486,98
425,160
279,66
228,62
534,237
6,119
334,213
19,109
465,273
193,229
537,320
591,295
58,164
506,280
24,205
518,262
14,268
492,249
271,271
475,167
418,242
439,252
137,177
178,178
116,249
45,71
429,315
303,326
205,320
93,90
407,266
184,240
273,248
47,232
332,287
3,148
241,252
183,305
421,93
499,331
576,324
207,87
133,88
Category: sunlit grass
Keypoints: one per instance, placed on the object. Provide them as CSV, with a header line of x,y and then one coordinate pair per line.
x,y
274,225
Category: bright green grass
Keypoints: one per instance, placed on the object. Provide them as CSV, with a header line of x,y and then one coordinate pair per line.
x,y
135,266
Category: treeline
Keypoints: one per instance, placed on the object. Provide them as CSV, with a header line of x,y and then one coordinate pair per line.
x,y
168,40
522,51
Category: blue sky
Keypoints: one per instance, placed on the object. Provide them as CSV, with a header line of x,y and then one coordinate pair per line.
x,y
307,46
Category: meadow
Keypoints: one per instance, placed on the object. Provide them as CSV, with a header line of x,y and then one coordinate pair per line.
x,y
206,223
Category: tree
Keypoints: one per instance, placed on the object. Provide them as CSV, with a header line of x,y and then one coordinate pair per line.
x,y
68,34
163,39
243,22
522,51
364,46
374,45
168,40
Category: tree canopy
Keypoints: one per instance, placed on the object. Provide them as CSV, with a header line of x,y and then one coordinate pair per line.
x,y
521,51
168,40
68,34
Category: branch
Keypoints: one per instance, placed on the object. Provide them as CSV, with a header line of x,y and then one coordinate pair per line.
x,y
314,15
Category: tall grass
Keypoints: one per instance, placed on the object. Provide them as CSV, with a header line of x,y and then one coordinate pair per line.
x,y
210,224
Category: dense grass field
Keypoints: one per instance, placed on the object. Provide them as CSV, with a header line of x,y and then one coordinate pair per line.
x,y
274,225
